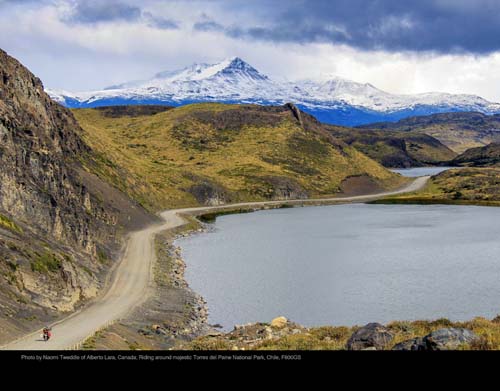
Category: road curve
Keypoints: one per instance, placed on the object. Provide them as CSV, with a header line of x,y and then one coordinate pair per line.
x,y
130,283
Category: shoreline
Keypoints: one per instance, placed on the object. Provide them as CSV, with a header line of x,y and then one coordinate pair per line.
x,y
198,325
195,325
433,201
210,218
174,221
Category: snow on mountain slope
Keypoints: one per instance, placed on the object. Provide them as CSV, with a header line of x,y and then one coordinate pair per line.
x,y
235,81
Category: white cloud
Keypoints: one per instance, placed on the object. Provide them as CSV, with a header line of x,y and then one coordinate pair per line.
x,y
79,56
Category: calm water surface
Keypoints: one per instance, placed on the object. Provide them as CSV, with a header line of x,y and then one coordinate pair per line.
x,y
420,171
348,264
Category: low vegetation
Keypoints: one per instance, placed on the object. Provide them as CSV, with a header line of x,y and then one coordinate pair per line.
x,y
215,153
5,222
46,263
396,148
211,217
458,131
468,186
336,337
488,156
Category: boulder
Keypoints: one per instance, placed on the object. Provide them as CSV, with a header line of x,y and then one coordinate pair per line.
x,y
449,338
411,344
279,322
373,335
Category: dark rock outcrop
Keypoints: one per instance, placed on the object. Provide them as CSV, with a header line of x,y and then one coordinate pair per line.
x,y
442,339
296,112
283,188
413,344
208,193
373,335
448,338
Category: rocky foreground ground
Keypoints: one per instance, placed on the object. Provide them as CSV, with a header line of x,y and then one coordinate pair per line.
x,y
441,334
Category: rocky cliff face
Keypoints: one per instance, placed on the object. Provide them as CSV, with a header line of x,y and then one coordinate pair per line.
x,y
60,225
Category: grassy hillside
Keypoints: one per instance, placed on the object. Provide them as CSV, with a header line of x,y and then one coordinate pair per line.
x,y
479,157
215,153
469,186
458,131
396,148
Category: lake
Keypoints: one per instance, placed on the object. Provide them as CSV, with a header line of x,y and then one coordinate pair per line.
x,y
348,264
420,171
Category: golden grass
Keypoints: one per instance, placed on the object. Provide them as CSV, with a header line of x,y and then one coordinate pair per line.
x,y
156,158
335,338
467,186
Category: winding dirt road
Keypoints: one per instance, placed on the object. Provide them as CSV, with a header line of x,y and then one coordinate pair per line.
x,y
131,280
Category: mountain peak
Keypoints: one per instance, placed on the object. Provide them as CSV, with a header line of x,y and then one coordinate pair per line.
x,y
237,62
235,66
235,80
230,67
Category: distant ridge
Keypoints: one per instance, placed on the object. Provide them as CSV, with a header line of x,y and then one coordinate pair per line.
x,y
458,131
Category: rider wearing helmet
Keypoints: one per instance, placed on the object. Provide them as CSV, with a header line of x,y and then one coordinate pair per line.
x,y
46,333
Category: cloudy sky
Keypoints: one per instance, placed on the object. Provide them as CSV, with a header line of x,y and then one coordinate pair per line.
x,y
399,46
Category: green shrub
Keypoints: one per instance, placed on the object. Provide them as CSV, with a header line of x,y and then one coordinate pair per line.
x,y
102,257
46,263
5,222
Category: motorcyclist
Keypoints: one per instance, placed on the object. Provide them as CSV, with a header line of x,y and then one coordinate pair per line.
x,y
46,333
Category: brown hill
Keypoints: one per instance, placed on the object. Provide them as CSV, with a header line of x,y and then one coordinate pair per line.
x,y
487,156
396,148
458,131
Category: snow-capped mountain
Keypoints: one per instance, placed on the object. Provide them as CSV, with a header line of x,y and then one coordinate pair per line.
x,y
233,80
